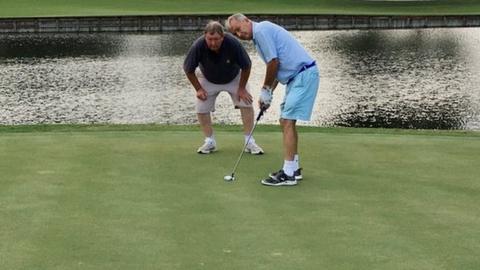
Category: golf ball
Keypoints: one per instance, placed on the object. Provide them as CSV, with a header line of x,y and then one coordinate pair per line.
x,y
228,178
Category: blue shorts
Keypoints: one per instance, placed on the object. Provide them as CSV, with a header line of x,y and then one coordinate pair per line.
x,y
300,95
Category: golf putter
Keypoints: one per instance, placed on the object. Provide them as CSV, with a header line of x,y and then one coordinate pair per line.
x,y
231,177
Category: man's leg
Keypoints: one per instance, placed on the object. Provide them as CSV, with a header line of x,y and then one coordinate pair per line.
x,y
298,104
297,170
210,145
205,121
290,139
285,177
204,109
247,119
247,114
206,125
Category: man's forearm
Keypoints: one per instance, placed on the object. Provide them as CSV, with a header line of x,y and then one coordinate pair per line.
x,y
193,80
275,83
244,75
271,74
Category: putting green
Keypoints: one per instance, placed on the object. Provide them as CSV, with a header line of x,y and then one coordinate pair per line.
x,y
141,198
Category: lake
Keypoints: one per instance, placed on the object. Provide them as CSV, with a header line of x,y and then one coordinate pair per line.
x,y
426,78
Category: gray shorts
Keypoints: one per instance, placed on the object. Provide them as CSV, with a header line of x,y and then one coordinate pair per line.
x,y
206,106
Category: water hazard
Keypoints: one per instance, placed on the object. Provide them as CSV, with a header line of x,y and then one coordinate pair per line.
x,y
383,78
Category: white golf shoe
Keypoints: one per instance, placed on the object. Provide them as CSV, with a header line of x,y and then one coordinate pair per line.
x,y
207,147
253,149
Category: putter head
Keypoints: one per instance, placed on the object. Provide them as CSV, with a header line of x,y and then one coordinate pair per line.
x,y
229,178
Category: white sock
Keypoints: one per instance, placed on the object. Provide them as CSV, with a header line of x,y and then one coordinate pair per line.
x,y
289,167
210,139
296,158
252,140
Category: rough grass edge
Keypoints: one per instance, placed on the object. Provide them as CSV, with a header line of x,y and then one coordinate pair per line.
x,y
66,128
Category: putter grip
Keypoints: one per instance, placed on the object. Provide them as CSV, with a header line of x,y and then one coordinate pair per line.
x,y
262,110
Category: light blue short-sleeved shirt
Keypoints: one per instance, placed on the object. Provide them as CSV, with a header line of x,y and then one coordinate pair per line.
x,y
273,41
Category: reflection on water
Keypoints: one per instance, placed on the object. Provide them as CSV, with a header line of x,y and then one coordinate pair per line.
x,y
388,78
406,79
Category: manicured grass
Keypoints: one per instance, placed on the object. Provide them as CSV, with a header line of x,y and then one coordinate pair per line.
x,y
139,197
31,8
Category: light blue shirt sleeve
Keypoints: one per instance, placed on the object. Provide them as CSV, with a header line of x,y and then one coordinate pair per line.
x,y
265,47
273,41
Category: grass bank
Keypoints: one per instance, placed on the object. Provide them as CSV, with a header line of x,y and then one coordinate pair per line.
x,y
32,8
139,197
226,128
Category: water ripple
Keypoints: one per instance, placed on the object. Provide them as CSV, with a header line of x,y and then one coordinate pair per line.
x,y
386,78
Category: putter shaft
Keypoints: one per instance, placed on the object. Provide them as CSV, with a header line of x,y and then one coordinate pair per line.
x,y
248,140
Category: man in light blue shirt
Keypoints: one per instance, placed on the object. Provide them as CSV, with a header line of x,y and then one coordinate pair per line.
x,y
288,63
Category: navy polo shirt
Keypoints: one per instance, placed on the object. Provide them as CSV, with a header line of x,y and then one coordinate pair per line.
x,y
221,67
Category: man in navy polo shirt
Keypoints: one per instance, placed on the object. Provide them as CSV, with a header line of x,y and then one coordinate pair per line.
x,y
288,63
223,65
